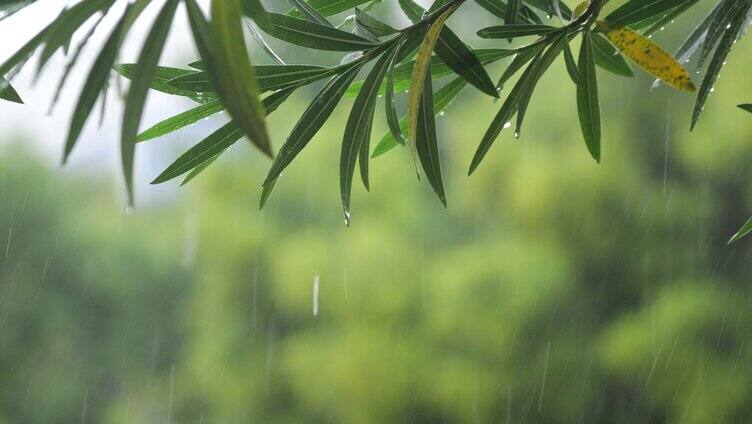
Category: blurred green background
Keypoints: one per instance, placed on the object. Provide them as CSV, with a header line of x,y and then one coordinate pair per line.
x,y
550,290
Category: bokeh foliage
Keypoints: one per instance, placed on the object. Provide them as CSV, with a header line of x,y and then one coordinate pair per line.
x,y
552,290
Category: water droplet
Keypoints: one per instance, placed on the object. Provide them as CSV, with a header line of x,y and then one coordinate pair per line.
x,y
516,134
347,218
507,125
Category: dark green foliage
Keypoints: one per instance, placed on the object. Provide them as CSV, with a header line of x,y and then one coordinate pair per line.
x,y
224,79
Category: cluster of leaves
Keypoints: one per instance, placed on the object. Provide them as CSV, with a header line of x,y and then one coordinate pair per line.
x,y
409,59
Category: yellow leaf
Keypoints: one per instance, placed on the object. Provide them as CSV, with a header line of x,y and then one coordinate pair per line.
x,y
580,9
418,77
648,55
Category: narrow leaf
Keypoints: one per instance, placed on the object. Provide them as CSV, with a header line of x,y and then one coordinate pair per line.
x,y
588,106
314,117
310,34
463,62
745,230
427,143
507,110
330,7
541,67
718,60
215,144
571,65
98,76
181,120
378,28
268,77
358,127
635,11
403,72
136,98
417,80
232,74
649,56
390,103
7,92
163,74
513,31
609,58
201,152
309,12
442,99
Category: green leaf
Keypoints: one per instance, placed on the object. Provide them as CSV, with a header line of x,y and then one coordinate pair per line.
x,y
330,7
571,65
550,9
309,34
746,106
512,31
195,172
696,37
266,192
717,28
609,58
22,55
520,59
634,11
417,79
588,106
413,11
136,98
542,65
650,26
463,61
746,229
499,9
163,74
508,108
181,120
69,21
73,59
427,143
378,28
314,117
718,60
256,35
99,74
7,92
232,74
205,150
268,78
390,103
254,10
271,103
309,12
513,7
403,71
358,128
442,99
